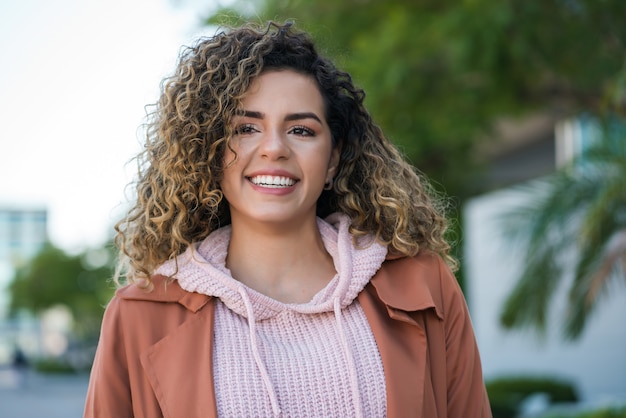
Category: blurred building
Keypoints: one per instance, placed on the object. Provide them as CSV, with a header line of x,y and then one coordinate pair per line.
x,y
23,232
596,362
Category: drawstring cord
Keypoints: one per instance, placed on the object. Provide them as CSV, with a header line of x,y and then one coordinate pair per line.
x,y
255,352
344,250
354,382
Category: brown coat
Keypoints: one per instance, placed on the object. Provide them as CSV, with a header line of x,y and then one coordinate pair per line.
x,y
154,358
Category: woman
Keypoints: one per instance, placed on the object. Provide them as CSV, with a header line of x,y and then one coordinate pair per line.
x,y
281,258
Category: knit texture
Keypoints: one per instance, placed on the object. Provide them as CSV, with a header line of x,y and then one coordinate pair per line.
x,y
315,359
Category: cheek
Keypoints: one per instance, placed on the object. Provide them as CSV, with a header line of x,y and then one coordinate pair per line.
x,y
229,167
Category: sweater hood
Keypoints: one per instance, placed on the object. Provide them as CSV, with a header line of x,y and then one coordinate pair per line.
x,y
202,269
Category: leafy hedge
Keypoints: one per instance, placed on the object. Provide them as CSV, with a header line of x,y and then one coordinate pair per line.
x,y
507,394
53,366
601,413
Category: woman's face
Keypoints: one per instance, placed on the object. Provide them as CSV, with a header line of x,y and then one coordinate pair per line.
x,y
284,149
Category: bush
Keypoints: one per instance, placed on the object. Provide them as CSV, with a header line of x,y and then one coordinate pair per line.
x,y
54,365
601,413
507,394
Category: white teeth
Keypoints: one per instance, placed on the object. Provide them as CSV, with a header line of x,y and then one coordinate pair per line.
x,y
272,181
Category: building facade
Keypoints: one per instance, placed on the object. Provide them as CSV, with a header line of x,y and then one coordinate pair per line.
x,y
23,232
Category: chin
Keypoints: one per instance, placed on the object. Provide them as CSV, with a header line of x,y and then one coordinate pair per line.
x,y
278,218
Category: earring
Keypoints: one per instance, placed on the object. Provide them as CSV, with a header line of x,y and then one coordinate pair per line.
x,y
329,185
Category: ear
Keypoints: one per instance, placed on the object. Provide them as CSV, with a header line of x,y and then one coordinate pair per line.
x,y
333,164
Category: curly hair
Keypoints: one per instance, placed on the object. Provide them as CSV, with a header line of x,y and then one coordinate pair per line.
x,y
178,197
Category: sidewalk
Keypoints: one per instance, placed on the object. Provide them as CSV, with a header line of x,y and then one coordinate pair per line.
x,y
32,395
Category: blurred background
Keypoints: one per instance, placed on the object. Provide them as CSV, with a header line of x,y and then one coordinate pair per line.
x,y
513,108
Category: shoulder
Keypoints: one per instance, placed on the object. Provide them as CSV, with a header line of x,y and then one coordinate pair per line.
x,y
163,290
416,283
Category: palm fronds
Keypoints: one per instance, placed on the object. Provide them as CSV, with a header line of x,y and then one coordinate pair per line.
x,y
572,225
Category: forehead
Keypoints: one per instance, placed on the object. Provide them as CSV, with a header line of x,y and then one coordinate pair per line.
x,y
286,87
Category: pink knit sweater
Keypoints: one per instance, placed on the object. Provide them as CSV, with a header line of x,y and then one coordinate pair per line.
x,y
316,359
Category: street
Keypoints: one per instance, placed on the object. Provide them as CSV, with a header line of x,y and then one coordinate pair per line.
x,y
31,395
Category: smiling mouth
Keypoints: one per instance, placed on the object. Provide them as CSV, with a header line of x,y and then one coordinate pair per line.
x,y
272,181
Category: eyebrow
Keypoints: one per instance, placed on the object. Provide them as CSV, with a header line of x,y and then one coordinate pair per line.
x,y
299,116
289,118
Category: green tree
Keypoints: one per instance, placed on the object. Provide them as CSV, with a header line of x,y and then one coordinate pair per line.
x,y
572,225
80,282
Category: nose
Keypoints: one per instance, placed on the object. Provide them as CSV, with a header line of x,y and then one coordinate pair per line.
x,y
274,145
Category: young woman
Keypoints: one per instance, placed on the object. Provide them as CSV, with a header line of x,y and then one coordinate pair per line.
x,y
282,258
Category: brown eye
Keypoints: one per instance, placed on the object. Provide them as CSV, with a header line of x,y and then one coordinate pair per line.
x,y
302,131
244,129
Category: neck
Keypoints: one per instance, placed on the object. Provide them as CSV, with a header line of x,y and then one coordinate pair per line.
x,y
287,264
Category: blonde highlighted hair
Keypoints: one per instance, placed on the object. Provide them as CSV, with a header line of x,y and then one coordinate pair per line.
x,y
178,196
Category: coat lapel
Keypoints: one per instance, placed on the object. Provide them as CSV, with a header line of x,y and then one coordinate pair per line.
x,y
180,368
388,301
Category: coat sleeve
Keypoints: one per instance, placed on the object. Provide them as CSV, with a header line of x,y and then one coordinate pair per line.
x,y
466,393
109,392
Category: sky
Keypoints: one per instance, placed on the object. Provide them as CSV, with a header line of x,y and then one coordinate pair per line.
x,y
75,76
